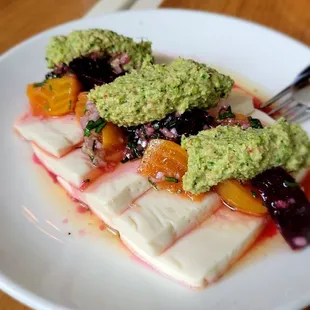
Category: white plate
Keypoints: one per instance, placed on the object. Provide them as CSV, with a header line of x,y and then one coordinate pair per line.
x,y
46,268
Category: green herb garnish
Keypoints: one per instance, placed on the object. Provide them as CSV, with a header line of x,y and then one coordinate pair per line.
x,y
51,76
124,160
92,125
255,123
290,184
98,125
153,184
51,88
137,153
169,123
133,147
227,114
254,194
87,132
156,126
39,84
171,179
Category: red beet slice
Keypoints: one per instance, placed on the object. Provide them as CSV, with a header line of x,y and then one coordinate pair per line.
x,y
93,71
287,204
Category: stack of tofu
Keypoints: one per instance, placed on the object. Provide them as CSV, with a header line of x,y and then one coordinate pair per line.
x,y
191,242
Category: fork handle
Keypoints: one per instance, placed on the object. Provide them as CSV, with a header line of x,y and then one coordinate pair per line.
x,y
282,93
306,71
302,79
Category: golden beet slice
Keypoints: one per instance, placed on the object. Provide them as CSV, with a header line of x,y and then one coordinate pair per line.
x,y
163,158
54,97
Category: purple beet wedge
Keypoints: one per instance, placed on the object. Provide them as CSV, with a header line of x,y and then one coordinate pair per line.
x,y
287,204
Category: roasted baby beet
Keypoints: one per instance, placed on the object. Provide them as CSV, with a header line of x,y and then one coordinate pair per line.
x,y
93,71
287,204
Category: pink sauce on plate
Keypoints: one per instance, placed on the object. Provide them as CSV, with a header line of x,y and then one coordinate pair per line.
x,y
37,161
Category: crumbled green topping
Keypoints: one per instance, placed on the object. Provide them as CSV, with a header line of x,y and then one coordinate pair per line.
x,y
242,154
63,49
157,90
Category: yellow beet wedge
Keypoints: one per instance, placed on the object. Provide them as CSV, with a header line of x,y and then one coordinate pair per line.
x,y
54,97
241,197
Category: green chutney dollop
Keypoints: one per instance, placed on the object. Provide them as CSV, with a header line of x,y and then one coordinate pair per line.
x,y
157,90
229,152
63,49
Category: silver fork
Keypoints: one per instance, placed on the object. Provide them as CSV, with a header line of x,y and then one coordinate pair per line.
x,y
293,102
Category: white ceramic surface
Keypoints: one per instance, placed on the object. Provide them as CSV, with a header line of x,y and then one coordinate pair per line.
x,y
44,267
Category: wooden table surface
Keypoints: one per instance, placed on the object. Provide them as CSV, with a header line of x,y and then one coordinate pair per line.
x,y
20,19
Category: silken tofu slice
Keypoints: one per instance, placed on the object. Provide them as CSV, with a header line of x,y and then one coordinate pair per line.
x,y
112,193
204,254
159,218
74,167
113,197
263,117
56,136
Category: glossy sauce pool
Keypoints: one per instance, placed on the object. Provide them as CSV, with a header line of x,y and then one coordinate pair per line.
x,y
79,221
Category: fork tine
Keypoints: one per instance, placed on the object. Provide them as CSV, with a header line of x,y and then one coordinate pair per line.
x,y
277,97
291,110
304,117
301,112
280,106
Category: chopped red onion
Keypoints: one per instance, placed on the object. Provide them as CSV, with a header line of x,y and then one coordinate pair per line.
x,y
124,59
91,114
167,133
149,130
281,204
98,145
300,242
117,61
160,175
174,131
